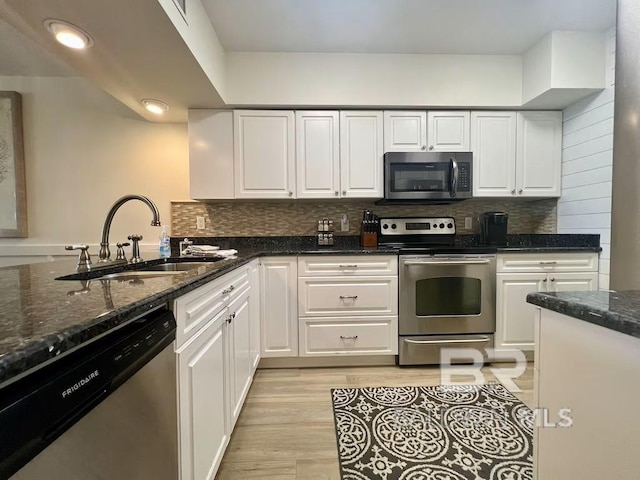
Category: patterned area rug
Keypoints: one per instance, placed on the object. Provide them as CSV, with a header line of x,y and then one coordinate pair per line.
x,y
460,432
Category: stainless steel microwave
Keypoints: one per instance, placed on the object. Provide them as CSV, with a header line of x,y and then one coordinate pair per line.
x,y
428,175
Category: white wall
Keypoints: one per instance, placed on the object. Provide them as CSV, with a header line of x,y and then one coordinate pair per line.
x,y
587,160
324,79
83,151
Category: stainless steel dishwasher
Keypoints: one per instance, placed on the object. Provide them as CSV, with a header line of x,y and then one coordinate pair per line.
x,y
106,411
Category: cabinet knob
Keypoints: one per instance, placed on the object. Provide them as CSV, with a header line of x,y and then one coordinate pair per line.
x,y
424,147
520,192
337,193
553,279
290,193
430,147
545,280
344,192
513,192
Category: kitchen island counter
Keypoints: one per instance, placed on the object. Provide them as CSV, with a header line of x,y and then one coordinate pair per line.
x,y
615,310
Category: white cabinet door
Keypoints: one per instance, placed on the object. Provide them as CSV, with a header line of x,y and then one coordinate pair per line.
x,y
317,154
203,406
264,153
514,316
279,307
572,282
361,151
240,352
448,131
405,131
210,154
539,154
254,312
493,143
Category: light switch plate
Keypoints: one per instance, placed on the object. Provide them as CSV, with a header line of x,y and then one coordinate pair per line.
x,y
468,223
200,223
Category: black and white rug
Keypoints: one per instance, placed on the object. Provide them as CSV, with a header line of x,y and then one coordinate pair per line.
x,y
459,432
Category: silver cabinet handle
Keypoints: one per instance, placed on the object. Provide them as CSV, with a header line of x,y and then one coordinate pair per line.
x,y
513,192
353,337
228,290
347,266
553,279
412,263
430,147
548,263
545,280
337,193
520,191
430,342
290,193
344,192
348,297
424,147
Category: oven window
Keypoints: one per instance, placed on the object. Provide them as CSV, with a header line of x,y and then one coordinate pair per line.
x,y
448,296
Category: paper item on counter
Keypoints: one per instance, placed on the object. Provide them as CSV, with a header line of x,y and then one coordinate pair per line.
x,y
203,248
209,251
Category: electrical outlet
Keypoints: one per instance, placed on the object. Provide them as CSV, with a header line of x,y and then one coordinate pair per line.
x,y
200,223
468,223
344,223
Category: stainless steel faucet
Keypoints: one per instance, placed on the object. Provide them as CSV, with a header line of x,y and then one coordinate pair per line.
x,y
105,254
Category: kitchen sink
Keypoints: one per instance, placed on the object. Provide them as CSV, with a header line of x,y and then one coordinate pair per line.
x,y
137,272
174,267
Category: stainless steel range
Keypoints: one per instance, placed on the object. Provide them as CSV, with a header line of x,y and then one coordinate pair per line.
x,y
447,293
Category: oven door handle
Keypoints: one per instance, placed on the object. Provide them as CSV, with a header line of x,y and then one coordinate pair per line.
x,y
412,263
431,342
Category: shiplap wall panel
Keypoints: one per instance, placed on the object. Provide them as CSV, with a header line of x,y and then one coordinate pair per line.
x,y
587,164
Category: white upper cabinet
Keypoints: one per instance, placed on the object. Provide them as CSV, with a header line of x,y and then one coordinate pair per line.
x,y
211,154
317,154
448,131
361,151
264,153
405,131
493,143
539,154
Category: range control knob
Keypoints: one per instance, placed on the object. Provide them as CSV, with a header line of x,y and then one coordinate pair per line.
x,y
449,225
385,226
435,225
393,226
442,225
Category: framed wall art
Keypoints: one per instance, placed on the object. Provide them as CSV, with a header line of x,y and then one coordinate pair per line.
x,y
13,194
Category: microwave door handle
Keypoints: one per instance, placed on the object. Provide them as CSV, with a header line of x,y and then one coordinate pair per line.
x,y
454,177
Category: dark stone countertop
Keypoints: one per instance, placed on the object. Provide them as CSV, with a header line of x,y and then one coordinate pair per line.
x,y
618,311
42,318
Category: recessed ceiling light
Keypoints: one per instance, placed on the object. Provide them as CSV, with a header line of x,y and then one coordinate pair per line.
x,y
68,35
155,106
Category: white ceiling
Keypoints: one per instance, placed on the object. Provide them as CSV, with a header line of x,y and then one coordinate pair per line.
x,y
400,26
19,55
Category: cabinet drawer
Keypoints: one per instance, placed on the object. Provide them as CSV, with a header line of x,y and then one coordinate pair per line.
x,y
196,308
548,262
347,265
340,296
348,336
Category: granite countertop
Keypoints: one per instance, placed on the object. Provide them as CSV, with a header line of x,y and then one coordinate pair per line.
x,y
42,318
618,311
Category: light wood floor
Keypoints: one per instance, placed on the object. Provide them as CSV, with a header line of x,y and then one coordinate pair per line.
x,y
286,430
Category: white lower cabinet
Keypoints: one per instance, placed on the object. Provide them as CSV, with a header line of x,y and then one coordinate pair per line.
x,y
347,310
254,314
279,307
203,400
540,273
215,367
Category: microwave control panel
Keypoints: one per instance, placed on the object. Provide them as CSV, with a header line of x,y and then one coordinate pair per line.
x,y
464,177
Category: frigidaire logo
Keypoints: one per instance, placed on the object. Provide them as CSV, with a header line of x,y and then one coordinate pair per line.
x,y
81,383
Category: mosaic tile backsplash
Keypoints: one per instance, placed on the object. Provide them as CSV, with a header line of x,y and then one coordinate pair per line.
x,y
247,218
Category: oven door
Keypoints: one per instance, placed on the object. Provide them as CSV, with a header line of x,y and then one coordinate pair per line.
x,y
451,294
